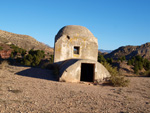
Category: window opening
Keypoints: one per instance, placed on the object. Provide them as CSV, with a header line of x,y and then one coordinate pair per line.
x,y
76,50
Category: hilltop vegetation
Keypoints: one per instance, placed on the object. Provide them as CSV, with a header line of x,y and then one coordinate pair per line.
x,y
130,51
20,56
135,65
23,41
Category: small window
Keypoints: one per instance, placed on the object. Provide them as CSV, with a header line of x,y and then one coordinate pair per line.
x,y
76,50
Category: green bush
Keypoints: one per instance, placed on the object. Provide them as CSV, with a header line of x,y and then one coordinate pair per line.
x,y
16,50
109,60
33,58
147,73
122,58
36,60
1,48
51,59
101,58
139,63
129,62
136,69
27,63
116,79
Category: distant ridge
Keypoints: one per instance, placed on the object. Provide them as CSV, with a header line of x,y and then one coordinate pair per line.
x,y
23,41
105,51
130,51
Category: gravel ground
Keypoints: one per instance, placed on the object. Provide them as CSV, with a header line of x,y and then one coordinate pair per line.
x,y
33,90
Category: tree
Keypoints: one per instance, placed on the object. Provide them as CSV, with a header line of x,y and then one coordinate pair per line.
x,y
29,57
109,60
27,63
101,59
140,65
136,69
36,61
129,62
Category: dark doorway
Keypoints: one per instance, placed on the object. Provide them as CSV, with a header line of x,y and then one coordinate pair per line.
x,y
87,72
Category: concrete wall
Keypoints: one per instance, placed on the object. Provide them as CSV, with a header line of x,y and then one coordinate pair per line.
x,y
69,62
70,71
64,48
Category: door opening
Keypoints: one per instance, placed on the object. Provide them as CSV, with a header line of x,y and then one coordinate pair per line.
x,y
87,72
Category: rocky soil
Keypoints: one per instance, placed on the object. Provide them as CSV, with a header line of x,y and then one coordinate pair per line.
x,y
33,90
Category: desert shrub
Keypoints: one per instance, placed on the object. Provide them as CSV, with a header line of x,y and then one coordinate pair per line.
x,y
122,58
27,62
139,63
147,73
101,58
39,53
16,50
147,65
119,81
33,58
116,79
29,57
1,48
46,65
51,59
109,60
129,62
12,55
36,60
4,64
136,69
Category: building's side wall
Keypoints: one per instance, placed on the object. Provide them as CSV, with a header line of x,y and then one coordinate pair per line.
x,y
73,72
64,49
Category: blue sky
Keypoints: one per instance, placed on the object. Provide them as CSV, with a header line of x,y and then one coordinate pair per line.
x,y
114,22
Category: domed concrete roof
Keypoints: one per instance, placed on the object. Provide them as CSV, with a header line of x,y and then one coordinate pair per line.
x,y
75,31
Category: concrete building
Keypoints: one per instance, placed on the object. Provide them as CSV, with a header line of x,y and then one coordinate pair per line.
x,y
76,52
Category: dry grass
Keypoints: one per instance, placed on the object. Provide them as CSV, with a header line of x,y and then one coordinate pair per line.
x,y
116,78
147,73
4,64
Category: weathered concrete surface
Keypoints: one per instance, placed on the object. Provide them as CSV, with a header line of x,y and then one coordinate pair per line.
x,y
76,52
70,70
75,36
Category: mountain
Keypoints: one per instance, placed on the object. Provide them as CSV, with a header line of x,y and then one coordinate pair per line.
x,y
105,51
130,51
23,41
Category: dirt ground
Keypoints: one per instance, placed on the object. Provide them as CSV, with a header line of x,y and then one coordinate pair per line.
x,y
33,90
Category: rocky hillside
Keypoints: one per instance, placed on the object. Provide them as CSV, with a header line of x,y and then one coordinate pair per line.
x,y
23,41
130,51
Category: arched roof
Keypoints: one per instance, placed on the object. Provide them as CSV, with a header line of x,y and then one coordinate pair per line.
x,y
75,30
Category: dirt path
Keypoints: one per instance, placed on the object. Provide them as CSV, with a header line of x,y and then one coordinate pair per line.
x,y
25,89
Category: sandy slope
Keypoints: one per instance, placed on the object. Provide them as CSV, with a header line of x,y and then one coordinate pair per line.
x,y
25,89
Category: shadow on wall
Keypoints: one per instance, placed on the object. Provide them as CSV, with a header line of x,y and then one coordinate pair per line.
x,y
65,64
38,73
